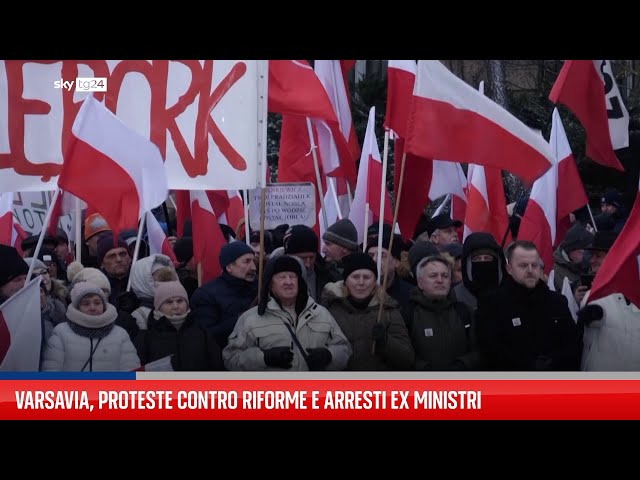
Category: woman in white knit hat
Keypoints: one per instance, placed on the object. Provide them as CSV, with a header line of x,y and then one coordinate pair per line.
x,y
173,332
89,341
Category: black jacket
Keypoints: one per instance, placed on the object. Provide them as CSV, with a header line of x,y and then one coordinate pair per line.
x,y
527,329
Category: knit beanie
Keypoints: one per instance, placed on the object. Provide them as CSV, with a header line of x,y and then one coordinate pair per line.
x,y
300,239
105,244
77,273
342,233
230,252
82,289
397,247
12,265
577,238
166,290
420,250
358,261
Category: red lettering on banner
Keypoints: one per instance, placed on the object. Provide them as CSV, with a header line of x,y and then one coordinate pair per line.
x,y
162,119
18,108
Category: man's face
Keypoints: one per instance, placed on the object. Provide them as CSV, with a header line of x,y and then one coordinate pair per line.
x,y
576,256
308,258
608,208
13,286
243,267
62,250
445,236
333,252
435,280
597,257
284,286
393,262
116,262
92,244
525,267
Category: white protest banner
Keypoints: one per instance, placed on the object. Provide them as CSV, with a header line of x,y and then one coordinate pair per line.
x,y
292,203
207,117
30,208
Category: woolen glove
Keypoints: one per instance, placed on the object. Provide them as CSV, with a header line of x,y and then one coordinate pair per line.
x,y
127,302
379,334
279,357
318,358
590,313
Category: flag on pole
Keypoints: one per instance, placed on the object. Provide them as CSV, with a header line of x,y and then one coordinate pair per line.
x,y
207,236
157,239
588,88
111,167
21,330
452,121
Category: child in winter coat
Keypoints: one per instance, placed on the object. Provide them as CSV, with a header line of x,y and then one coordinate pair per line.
x,y
173,332
89,341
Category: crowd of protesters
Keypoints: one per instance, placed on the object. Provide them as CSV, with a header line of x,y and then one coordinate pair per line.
x,y
436,303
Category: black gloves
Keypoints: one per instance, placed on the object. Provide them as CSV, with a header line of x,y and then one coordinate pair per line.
x,y
379,334
589,314
127,302
280,357
543,363
318,358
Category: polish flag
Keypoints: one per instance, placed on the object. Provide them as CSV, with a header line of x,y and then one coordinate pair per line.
x,y
589,90
553,197
183,210
424,179
336,160
368,185
158,242
21,330
11,232
401,77
620,270
207,236
111,167
234,214
295,89
486,204
452,121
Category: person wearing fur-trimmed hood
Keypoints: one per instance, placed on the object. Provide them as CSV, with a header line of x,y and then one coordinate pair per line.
x,y
287,330
89,341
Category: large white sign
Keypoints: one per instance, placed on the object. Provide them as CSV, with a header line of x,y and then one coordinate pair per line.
x,y
290,203
207,117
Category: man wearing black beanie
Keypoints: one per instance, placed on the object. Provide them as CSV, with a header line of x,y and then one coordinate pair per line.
x,y
287,330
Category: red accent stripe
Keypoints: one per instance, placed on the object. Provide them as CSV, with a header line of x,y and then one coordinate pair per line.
x,y
102,183
439,130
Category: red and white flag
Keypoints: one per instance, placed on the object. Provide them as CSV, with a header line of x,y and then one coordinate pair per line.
x,y
158,242
11,233
207,236
588,88
452,121
553,197
368,185
111,167
424,179
21,330
486,204
620,269
234,212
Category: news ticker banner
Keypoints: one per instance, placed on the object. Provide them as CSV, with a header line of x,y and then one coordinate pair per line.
x,y
143,396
